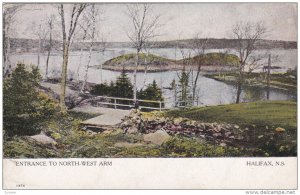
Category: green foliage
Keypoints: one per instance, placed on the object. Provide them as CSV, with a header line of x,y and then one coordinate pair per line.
x,y
260,118
275,144
101,89
22,147
123,59
184,92
121,88
187,147
152,92
261,113
216,59
25,109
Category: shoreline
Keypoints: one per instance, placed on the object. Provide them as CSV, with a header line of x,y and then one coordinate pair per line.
x,y
157,69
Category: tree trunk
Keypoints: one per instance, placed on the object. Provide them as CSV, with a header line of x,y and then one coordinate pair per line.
x,y
268,78
79,66
39,51
64,77
87,68
146,68
49,51
195,82
7,63
135,73
239,88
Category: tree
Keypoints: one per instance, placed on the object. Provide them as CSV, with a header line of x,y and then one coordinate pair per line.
x,y
50,25
39,31
76,10
184,78
25,109
144,25
90,16
152,92
123,87
246,35
9,13
198,46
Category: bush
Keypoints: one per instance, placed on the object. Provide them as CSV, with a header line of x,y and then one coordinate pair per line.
x,y
25,109
152,92
101,89
121,88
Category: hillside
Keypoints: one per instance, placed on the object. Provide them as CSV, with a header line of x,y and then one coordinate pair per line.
x,y
215,59
154,63
269,126
226,44
31,45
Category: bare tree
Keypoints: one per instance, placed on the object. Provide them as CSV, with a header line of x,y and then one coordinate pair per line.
x,y
50,23
185,76
8,17
90,17
144,26
246,35
76,10
40,32
198,46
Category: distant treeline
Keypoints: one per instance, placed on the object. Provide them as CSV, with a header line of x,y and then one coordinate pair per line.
x,y
31,45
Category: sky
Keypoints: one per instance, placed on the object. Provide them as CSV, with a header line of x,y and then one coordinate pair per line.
x,y
181,20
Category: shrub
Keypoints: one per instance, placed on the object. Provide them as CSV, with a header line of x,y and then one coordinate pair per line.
x,y
25,109
152,92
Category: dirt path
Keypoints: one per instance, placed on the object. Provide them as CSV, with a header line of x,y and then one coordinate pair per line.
x,y
107,116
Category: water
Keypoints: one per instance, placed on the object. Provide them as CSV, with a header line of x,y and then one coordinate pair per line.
x,y
209,91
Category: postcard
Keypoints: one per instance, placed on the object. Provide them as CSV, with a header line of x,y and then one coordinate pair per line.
x,y
149,95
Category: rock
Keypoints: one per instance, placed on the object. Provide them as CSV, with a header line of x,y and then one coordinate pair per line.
x,y
261,136
280,130
217,135
125,124
201,126
89,132
177,121
223,144
227,134
231,137
43,139
132,130
217,128
236,126
158,138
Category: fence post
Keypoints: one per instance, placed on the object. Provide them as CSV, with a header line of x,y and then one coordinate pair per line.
x,y
159,105
115,103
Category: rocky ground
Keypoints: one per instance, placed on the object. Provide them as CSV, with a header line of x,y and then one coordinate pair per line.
x,y
216,133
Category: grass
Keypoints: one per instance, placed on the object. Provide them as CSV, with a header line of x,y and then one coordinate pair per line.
x,y
259,120
261,113
216,59
73,142
131,57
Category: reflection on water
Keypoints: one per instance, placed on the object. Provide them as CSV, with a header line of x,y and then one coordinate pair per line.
x,y
210,91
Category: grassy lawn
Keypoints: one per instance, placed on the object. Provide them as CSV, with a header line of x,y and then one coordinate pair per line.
x,y
262,118
259,120
261,113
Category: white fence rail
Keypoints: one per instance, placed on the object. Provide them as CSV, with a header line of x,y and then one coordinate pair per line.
x,y
116,104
